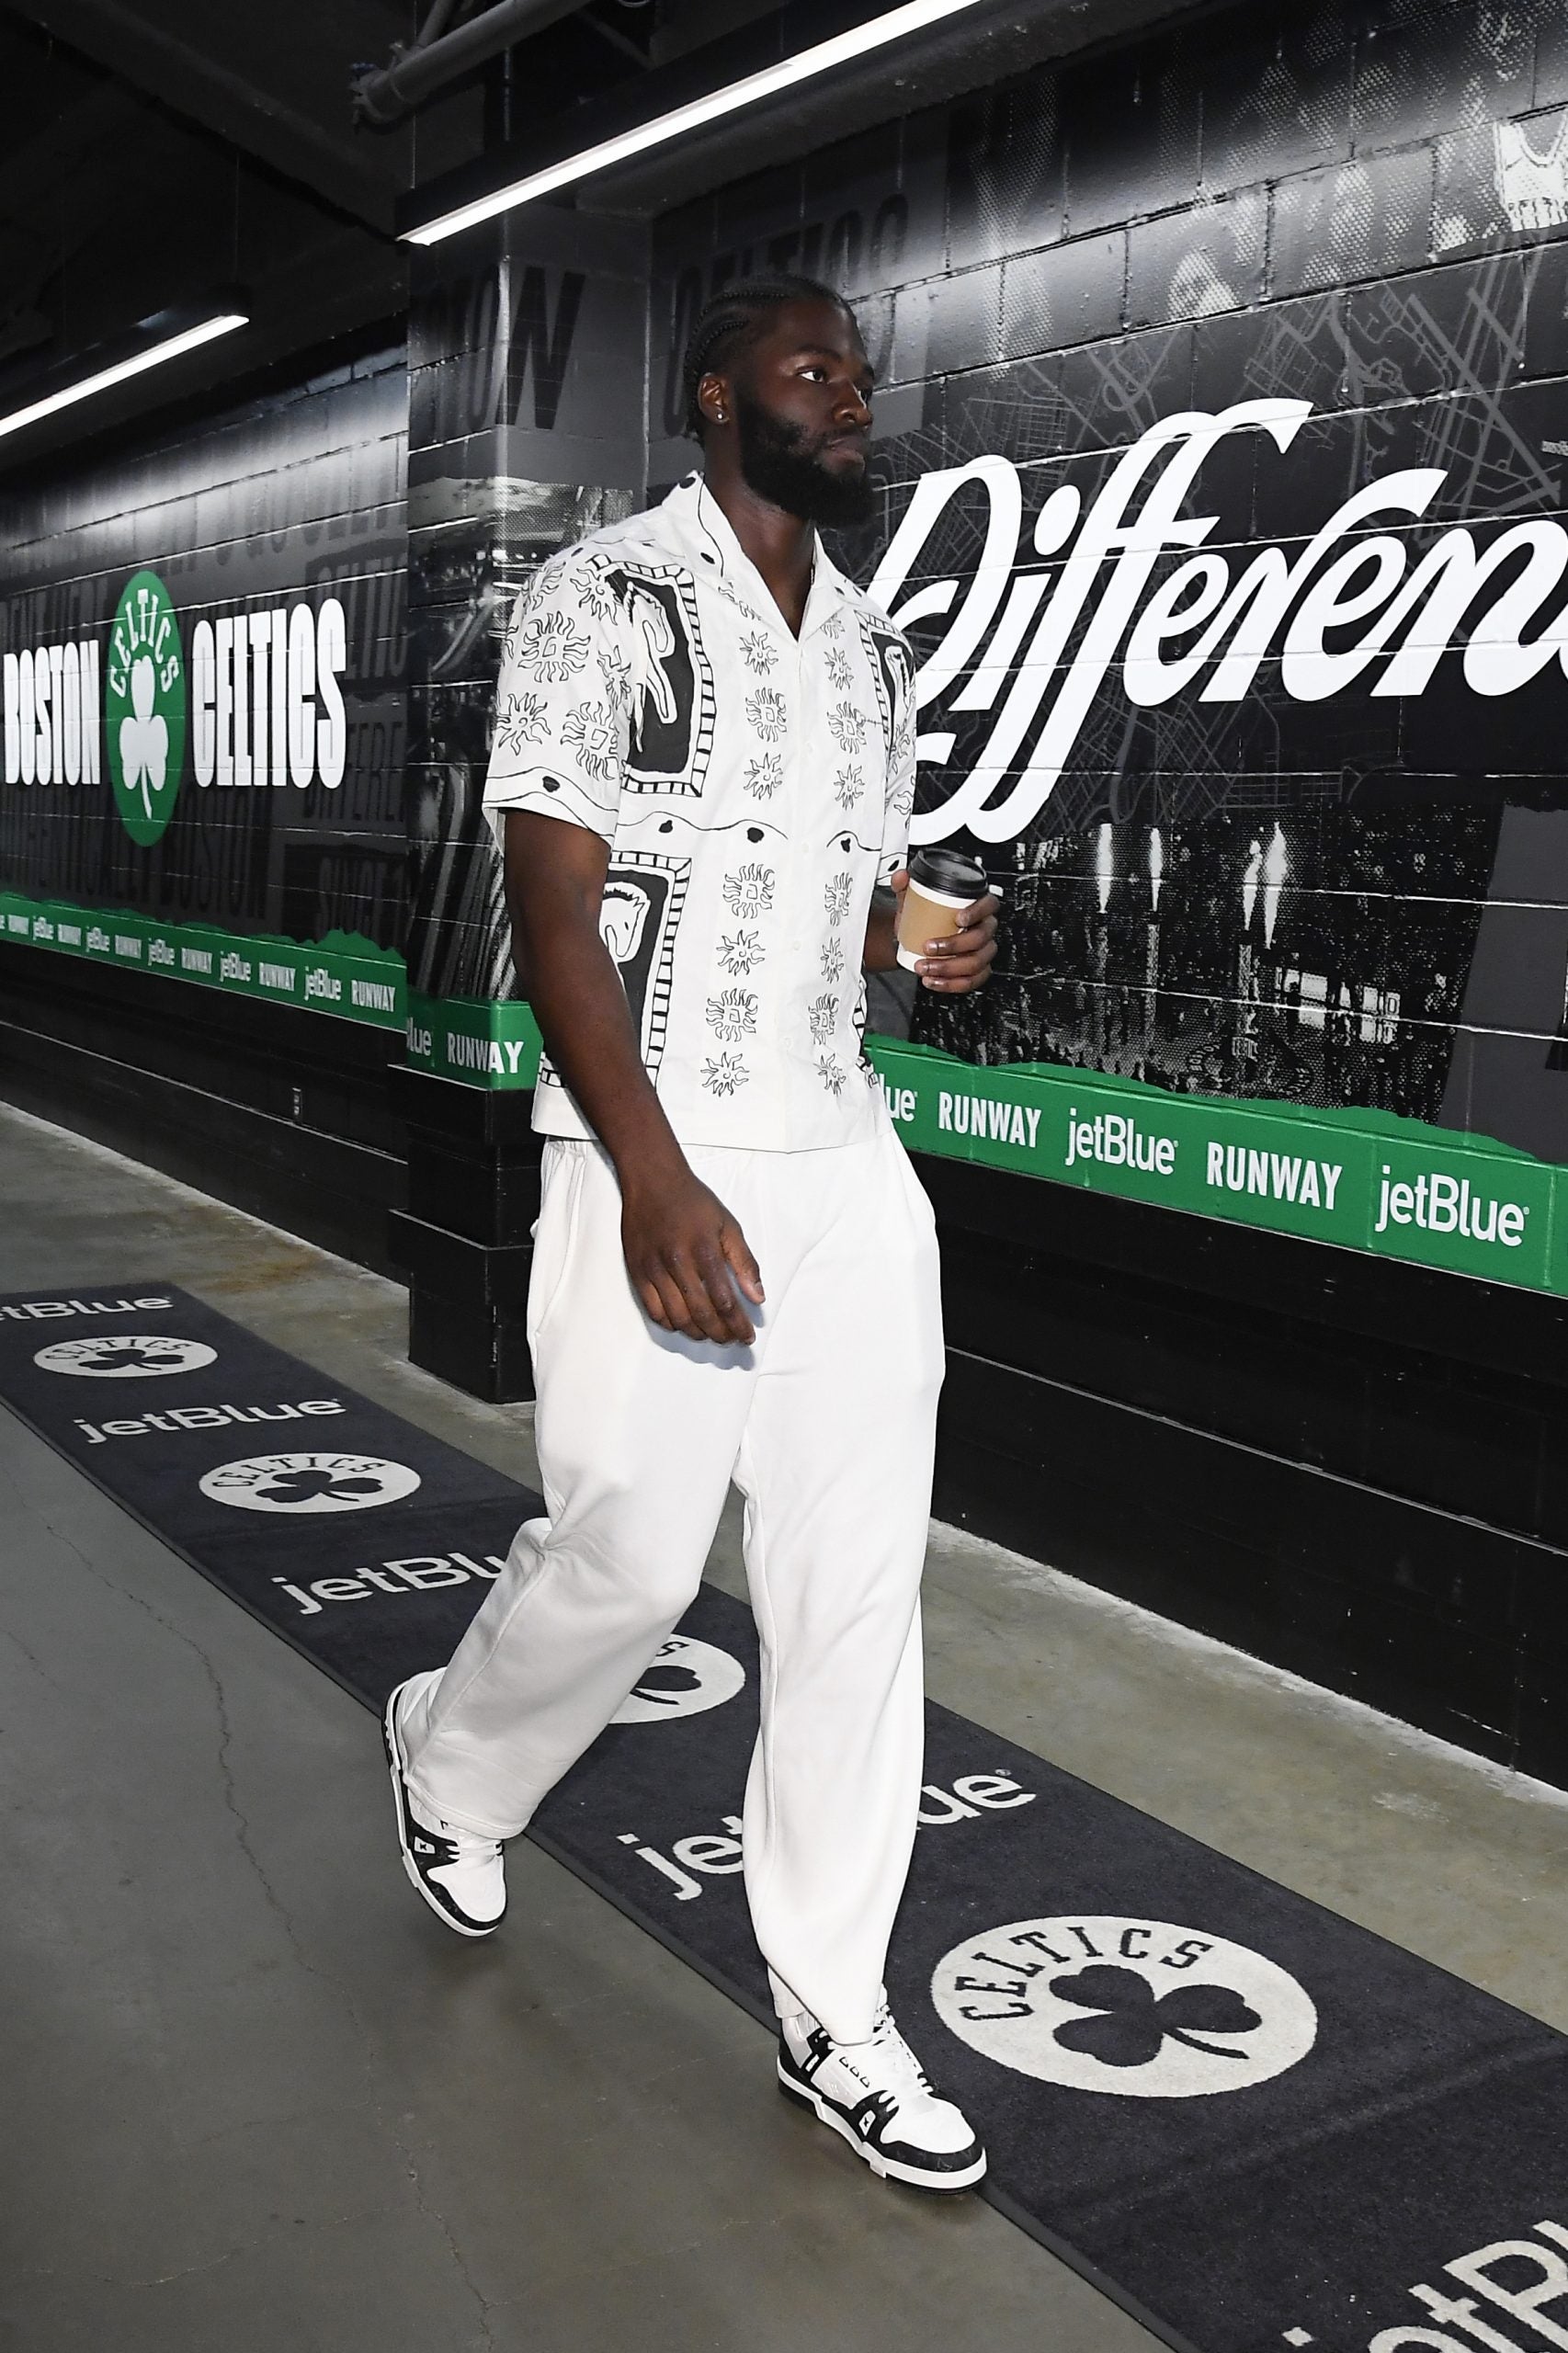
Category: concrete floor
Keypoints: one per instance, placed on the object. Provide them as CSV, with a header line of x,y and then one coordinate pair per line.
x,y
258,2100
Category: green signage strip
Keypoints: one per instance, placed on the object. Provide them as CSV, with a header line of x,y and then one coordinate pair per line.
x,y
474,1039
343,973
1366,1180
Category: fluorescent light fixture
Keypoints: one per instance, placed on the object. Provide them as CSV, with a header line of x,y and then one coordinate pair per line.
x,y
170,347
877,33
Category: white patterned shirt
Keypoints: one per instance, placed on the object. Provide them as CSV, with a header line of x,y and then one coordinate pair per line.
x,y
753,788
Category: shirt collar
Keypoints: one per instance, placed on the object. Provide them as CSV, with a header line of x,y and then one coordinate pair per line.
x,y
697,527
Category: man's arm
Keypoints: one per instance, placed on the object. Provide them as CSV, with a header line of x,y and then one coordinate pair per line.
x,y
954,965
687,1257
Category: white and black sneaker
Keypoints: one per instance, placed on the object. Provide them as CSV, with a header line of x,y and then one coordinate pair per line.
x,y
875,2096
459,1874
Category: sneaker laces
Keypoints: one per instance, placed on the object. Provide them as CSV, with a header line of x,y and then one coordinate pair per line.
x,y
903,2068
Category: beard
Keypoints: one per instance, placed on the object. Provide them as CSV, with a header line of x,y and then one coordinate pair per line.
x,y
785,466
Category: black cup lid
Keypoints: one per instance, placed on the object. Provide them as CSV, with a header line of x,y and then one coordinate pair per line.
x,y
950,870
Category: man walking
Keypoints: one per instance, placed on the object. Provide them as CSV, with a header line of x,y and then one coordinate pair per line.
x,y
704,765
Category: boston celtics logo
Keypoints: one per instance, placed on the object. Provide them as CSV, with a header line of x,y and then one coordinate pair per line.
x,y
686,1678
1138,2008
144,706
125,1357
309,1482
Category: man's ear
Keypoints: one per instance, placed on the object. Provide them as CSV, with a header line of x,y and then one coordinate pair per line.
x,y
713,400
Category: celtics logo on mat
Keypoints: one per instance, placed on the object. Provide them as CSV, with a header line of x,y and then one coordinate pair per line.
x,y
126,1357
145,705
1140,2008
684,1678
309,1482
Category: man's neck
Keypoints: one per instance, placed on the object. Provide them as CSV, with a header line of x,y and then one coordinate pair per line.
x,y
781,546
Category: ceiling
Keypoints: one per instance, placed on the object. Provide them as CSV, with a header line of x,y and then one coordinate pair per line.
x,y
985,44
156,151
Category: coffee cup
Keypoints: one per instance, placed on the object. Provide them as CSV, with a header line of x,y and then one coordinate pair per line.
x,y
942,883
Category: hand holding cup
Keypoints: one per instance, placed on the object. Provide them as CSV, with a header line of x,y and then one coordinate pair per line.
x,y
946,926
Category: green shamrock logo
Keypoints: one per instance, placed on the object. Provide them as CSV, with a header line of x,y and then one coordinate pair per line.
x,y
144,707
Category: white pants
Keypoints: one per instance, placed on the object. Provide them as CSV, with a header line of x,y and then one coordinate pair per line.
x,y
826,1424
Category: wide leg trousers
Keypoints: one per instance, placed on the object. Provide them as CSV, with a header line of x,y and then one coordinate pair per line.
x,y
826,1424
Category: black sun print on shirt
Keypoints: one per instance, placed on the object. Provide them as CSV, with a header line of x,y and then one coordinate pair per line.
x,y
589,730
520,722
742,954
823,1015
749,890
847,726
549,648
722,1074
769,713
596,597
759,654
733,1015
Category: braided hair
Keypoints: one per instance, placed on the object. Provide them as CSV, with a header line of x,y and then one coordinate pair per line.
x,y
728,321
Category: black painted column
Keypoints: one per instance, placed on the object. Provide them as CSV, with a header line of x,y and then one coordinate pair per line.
x,y
526,359
463,1242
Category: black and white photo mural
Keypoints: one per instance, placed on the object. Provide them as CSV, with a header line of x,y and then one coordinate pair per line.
x,y
526,355
201,708
1222,433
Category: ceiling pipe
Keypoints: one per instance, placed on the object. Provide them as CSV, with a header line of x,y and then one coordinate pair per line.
x,y
381,93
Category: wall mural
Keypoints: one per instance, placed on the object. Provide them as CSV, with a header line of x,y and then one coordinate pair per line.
x,y
201,724
1222,785
1230,536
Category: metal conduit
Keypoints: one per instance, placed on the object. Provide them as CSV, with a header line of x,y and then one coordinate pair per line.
x,y
384,93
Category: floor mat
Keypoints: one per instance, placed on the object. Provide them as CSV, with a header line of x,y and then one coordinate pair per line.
x,y
1251,2124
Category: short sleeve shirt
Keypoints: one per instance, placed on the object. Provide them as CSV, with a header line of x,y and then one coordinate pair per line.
x,y
753,787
